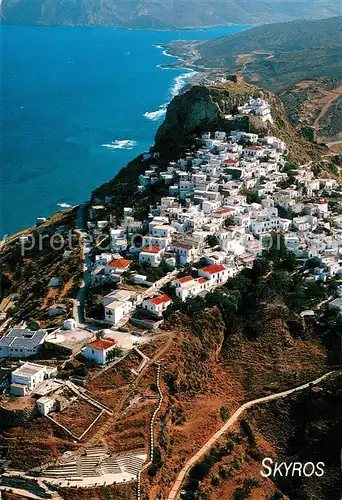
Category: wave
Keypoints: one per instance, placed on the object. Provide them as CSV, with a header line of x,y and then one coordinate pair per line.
x,y
156,115
165,53
180,82
64,205
123,144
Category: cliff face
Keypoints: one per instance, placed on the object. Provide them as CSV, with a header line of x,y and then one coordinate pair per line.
x,y
203,108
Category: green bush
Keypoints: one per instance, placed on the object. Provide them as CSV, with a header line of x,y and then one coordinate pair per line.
x,y
224,412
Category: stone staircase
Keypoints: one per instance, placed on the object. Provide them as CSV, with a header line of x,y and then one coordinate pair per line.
x,y
110,466
89,463
131,463
94,463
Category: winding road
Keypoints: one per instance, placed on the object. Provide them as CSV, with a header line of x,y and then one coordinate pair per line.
x,y
173,495
321,114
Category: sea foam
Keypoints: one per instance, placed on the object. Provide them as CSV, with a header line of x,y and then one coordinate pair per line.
x,y
156,115
64,205
178,83
123,144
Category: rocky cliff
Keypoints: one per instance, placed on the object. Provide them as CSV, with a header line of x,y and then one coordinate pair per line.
x,y
199,109
203,108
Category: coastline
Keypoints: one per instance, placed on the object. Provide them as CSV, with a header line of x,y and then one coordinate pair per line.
x,y
132,28
178,84
174,83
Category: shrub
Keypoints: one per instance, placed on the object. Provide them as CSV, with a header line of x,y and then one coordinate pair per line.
x,y
224,412
215,481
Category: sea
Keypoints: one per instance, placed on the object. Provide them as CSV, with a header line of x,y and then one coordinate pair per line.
x,y
78,103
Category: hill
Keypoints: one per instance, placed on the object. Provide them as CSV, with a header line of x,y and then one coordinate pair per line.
x,y
313,106
298,60
276,55
204,108
160,14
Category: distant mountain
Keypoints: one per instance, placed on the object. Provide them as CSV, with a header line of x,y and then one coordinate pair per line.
x,y
275,55
163,13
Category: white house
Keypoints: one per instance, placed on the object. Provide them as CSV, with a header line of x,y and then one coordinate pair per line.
x,y
305,223
220,136
117,266
243,220
25,378
103,259
155,241
254,151
45,405
151,254
264,224
21,343
190,287
157,305
98,350
185,253
117,304
215,274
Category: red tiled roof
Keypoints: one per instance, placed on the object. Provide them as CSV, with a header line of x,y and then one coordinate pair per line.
x,y
230,161
101,344
254,147
185,279
160,299
201,280
223,211
213,268
151,249
121,263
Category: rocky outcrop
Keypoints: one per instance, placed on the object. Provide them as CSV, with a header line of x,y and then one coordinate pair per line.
x,y
199,109
203,108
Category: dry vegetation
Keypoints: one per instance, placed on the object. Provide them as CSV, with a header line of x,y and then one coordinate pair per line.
x,y
202,377
115,381
38,443
114,492
26,274
77,417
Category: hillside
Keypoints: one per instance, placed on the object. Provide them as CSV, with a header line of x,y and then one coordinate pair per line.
x,y
276,55
305,428
160,14
204,107
219,360
299,60
313,106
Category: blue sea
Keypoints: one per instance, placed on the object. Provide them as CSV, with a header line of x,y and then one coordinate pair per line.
x,y
77,105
